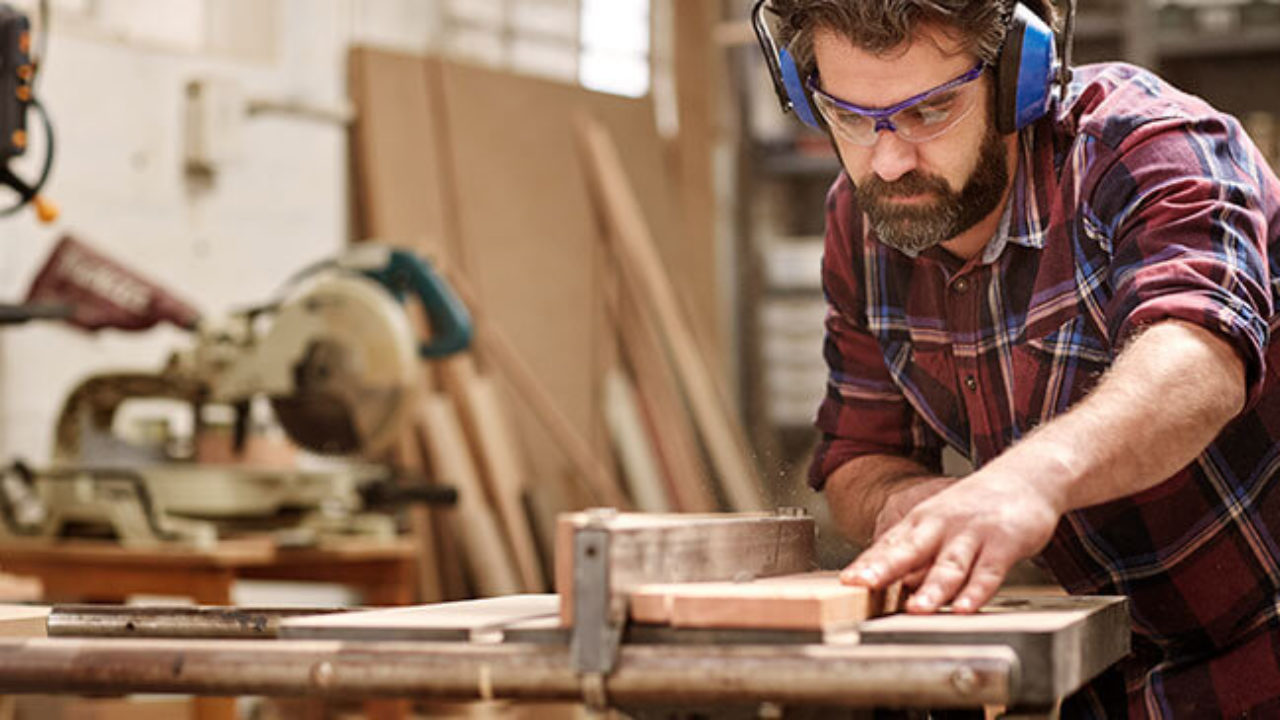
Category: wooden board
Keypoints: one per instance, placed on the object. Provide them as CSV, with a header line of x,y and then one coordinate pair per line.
x,y
485,418
397,178
646,278
26,621
631,439
528,236
647,548
487,556
467,620
811,601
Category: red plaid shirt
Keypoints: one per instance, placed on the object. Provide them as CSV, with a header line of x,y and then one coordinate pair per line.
x,y
1134,204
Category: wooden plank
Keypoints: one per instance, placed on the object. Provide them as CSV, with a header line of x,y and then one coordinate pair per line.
x,y
688,481
647,548
467,620
699,84
397,179
484,416
630,438
490,565
811,601
17,621
643,271
408,455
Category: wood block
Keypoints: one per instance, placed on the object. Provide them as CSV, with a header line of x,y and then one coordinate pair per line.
x,y
647,548
812,601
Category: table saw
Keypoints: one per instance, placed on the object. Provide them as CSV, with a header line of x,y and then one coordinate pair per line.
x,y
1025,653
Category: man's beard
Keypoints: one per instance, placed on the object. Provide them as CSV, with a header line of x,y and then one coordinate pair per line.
x,y
913,227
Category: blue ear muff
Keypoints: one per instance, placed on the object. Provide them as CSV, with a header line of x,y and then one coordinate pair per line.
x,y
796,91
1025,72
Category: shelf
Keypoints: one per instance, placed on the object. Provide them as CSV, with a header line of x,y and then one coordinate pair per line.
x,y
1185,44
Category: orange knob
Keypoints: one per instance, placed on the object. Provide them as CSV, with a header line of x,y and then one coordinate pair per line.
x,y
46,210
24,43
24,93
25,72
19,139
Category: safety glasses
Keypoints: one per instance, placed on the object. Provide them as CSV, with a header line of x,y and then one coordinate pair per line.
x,y
917,119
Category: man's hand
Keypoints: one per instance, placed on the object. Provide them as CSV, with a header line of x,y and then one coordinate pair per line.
x,y
901,501
963,539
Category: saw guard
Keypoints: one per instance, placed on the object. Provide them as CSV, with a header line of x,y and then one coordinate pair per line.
x,y
340,364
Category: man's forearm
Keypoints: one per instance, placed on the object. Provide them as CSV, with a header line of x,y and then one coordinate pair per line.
x,y
857,491
1168,395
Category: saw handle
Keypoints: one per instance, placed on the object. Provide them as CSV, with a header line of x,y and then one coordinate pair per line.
x,y
451,328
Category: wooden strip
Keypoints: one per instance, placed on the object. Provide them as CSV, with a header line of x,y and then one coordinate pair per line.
x,y
643,270
699,76
812,601
487,425
688,480
408,455
490,565
443,621
639,463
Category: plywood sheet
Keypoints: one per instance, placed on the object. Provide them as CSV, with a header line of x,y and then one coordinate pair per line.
x,y
528,236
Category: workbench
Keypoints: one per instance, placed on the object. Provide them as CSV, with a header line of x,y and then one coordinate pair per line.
x,y
590,643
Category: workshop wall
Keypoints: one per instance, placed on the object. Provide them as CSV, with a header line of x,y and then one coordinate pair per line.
x,y
276,198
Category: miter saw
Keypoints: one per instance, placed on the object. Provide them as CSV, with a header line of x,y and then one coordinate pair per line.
x,y
339,362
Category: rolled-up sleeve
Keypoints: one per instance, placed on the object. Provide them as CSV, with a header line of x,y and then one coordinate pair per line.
x,y
863,411
1182,201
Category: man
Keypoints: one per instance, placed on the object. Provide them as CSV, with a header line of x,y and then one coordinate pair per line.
x,y
1082,308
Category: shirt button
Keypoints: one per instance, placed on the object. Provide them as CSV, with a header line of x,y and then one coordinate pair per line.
x,y
961,286
971,382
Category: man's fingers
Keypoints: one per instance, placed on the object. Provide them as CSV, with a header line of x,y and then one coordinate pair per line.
x,y
947,575
988,573
900,551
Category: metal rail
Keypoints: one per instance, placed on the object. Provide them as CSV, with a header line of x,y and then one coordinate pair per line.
x,y
850,676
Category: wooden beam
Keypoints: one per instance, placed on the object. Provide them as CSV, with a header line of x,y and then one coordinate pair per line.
x,y
644,275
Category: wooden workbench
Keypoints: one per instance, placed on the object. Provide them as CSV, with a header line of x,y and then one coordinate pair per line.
x,y
99,571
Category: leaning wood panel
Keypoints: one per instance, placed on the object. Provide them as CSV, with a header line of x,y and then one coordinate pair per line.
x,y
642,270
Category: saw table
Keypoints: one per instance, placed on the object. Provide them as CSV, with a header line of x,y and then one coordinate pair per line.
x,y
1025,653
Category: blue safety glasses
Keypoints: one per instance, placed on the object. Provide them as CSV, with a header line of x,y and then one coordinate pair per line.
x,y
917,119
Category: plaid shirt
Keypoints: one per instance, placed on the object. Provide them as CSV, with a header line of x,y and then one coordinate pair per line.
x,y
1135,203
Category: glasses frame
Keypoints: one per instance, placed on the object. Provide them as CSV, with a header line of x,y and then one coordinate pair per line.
x,y
882,116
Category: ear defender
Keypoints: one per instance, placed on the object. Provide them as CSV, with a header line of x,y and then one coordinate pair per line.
x,y
1025,71
797,93
787,82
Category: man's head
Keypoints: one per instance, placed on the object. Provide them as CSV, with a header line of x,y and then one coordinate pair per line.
x,y
917,188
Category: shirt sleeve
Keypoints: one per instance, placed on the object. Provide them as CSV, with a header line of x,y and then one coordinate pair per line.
x,y
864,412
1182,200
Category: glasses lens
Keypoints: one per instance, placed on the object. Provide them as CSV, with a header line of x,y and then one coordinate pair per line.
x,y
849,125
933,116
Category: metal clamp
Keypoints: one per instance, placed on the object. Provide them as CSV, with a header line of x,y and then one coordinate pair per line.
x,y
598,617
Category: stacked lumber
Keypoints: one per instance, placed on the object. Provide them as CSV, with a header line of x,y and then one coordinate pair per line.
x,y
589,382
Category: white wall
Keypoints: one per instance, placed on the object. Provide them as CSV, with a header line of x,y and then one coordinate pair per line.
x,y
114,83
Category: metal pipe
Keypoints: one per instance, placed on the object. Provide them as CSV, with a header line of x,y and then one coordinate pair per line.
x,y
119,621
853,676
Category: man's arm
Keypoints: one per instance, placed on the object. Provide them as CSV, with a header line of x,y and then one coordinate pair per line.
x,y
870,494
1169,393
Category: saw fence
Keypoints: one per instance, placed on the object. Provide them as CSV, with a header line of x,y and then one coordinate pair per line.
x,y
594,378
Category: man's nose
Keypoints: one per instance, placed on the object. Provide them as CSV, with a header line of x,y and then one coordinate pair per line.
x,y
891,156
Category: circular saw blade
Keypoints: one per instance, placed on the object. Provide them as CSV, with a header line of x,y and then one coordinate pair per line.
x,y
354,365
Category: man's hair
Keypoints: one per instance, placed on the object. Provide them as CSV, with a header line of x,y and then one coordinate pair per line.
x,y
879,26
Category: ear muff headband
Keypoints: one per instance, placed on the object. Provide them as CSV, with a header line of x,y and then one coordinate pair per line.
x,y
1025,71
796,91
